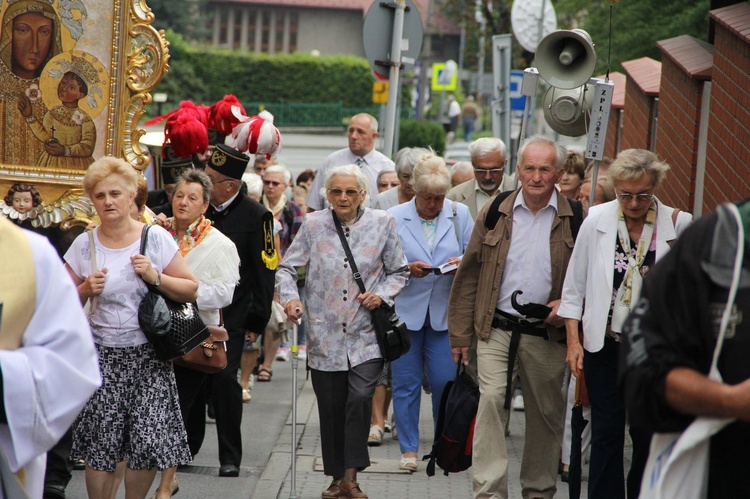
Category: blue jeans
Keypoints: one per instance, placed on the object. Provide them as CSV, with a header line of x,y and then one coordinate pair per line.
x,y
432,349
468,128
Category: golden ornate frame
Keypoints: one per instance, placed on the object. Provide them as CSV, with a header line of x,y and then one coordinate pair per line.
x,y
138,57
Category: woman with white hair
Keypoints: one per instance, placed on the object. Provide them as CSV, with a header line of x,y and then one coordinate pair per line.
x,y
433,232
616,245
406,158
342,350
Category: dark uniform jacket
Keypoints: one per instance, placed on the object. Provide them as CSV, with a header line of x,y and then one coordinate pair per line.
x,y
242,222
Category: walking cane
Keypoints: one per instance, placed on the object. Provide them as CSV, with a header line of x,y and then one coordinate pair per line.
x,y
295,362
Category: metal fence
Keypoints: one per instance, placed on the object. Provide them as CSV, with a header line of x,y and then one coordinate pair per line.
x,y
298,114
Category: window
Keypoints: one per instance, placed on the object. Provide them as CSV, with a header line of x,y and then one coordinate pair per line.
x,y
279,32
293,24
265,30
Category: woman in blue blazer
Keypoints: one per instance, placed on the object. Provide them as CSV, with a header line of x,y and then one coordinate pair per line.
x,y
433,232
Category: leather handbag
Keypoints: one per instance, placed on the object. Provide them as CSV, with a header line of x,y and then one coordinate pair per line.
x,y
210,356
390,330
173,328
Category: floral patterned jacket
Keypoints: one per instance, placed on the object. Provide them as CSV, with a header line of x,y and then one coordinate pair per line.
x,y
339,330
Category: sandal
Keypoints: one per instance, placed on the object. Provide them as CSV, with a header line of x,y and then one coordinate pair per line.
x,y
351,489
333,490
246,395
264,374
376,436
408,464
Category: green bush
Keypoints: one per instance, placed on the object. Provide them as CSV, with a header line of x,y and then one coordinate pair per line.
x,y
422,134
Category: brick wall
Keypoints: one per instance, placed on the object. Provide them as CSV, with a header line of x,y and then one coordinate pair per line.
x,y
686,65
640,93
728,153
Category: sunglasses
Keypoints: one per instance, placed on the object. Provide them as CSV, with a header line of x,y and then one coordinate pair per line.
x,y
271,182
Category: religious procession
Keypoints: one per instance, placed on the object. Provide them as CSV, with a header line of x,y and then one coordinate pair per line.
x,y
213,302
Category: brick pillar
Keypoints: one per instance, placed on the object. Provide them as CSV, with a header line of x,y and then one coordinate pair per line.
x,y
641,94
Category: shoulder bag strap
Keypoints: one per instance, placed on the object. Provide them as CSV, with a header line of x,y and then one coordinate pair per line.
x,y
92,250
144,245
357,275
455,227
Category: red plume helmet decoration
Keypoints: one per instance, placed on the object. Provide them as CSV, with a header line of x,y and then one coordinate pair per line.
x,y
186,134
220,115
200,112
256,134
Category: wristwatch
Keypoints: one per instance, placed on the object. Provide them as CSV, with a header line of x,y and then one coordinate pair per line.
x,y
158,280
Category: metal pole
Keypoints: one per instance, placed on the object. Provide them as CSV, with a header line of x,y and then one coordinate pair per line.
x,y
295,362
594,178
390,118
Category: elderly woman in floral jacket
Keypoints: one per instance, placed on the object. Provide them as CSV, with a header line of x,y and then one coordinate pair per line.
x,y
343,353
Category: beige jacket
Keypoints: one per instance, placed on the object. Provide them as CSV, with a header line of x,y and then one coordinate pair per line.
x,y
477,284
466,193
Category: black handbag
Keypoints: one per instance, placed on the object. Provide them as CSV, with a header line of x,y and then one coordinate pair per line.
x,y
173,328
390,330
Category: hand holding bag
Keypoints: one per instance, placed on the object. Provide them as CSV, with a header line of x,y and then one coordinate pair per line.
x,y
390,330
173,328
211,355
677,464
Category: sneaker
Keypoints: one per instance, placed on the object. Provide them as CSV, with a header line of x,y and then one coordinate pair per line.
x,y
302,352
282,354
517,404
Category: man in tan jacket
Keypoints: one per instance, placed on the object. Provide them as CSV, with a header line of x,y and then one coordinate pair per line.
x,y
528,249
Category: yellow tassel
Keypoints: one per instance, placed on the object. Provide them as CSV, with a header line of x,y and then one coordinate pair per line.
x,y
272,260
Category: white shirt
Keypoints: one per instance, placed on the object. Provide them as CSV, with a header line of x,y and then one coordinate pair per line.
x,y
454,109
374,163
528,266
482,198
54,373
223,206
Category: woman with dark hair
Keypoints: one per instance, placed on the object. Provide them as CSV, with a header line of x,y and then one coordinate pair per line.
x,y
573,174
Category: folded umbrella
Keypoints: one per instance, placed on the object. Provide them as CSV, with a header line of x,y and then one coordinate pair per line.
x,y
530,310
577,425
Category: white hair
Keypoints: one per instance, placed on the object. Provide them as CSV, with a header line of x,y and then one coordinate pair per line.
x,y
462,167
279,168
485,146
350,170
254,184
561,154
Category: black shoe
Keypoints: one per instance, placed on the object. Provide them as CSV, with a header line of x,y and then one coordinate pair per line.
x,y
53,491
229,470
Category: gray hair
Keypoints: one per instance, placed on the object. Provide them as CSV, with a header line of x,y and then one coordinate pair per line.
x,y
560,151
632,164
431,175
254,184
408,157
462,167
195,176
485,146
350,170
279,168
373,120
383,172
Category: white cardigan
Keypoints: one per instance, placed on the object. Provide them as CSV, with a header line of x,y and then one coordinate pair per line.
x,y
591,269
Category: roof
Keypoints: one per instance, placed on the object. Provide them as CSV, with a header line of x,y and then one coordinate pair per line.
x,y
618,97
735,18
695,57
645,73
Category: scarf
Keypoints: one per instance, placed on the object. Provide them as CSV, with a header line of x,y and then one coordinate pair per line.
x,y
275,209
193,236
630,289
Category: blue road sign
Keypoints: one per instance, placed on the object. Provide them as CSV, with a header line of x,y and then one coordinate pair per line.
x,y
517,99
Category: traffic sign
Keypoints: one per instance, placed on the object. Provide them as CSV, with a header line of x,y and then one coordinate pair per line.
x,y
444,77
379,92
517,99
377,34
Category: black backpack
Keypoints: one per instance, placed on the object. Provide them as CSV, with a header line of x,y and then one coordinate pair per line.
x,y
493,215
454,432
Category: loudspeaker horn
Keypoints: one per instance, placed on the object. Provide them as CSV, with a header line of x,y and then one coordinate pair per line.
x,y
567,111
566,58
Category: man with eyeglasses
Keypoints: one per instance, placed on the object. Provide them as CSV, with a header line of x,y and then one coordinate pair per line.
x,y
249,225
363,130
488,157
528,249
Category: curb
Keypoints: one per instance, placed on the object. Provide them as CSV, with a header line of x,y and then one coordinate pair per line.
x,y
280,462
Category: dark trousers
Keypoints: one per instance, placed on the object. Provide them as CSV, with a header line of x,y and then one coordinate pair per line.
x,y
345,409
226,393
606,479
59,466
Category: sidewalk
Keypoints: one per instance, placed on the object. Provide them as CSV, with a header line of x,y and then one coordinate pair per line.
x,y
383,479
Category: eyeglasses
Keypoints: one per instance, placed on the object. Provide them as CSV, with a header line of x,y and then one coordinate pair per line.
x,y
627,197
350,193
491,171
271,182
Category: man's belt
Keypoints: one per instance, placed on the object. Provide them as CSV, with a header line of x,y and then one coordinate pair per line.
x,y
510,322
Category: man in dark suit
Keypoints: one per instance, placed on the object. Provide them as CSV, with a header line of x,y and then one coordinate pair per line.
x,y
250,226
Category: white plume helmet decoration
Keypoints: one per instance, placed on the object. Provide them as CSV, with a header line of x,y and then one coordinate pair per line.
x,y
256,134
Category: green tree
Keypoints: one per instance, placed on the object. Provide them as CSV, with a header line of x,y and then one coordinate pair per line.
x,y
636,25
186,17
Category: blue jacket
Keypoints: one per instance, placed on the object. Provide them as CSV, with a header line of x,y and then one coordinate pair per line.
x,y
432,290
